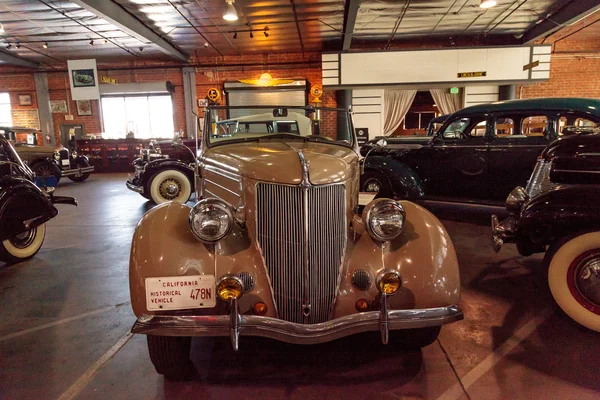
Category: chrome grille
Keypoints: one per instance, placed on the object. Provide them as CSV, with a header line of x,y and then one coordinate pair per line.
x,y
302,236
540,179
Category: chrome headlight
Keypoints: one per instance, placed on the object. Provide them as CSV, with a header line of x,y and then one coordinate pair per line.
x,y
56,155
74,154
516,199
211,220
385,219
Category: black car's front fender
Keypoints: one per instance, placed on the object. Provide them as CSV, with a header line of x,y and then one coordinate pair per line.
x,y
559,212
403,179
156,166
23,206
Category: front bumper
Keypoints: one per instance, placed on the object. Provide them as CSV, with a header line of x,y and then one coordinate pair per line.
x,y
76,171
135,188
234,324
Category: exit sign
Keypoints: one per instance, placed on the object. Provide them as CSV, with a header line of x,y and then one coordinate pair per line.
x,y
454,90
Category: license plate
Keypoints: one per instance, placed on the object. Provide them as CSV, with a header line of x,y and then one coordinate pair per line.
x,y
180,292
65,162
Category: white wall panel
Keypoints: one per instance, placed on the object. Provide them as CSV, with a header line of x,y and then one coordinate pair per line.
x,y
367,106
435,67
474,95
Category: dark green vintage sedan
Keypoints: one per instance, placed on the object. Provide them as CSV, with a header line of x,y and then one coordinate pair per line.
x,y
479,154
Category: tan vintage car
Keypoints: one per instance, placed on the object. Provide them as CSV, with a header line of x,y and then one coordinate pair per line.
x,y
278,245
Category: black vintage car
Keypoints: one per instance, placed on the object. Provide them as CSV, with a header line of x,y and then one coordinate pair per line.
x,y
479,154
559,212
47,161
24,207
163,172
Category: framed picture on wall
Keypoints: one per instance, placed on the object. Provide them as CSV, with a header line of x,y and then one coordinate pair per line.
x,y
25,100
84,107
83,77
58,106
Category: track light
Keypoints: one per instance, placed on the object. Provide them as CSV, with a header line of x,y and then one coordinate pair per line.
x,y
18,46
1,28
8,47
45,45
230,13
251,35
266,33
487,3
91,42
104,41
235,35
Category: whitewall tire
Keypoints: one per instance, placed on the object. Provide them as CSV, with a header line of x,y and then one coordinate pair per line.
x,y
170,185
574,278
22,246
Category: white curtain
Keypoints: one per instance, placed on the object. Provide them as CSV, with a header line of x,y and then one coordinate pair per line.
x,y
396,105
446,102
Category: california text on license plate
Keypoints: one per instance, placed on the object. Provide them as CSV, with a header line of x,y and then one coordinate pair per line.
x,y
180,292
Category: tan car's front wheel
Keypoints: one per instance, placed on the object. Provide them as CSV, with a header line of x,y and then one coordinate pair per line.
x,y
171,356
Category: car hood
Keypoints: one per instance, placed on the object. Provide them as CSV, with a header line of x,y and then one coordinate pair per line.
x,y
279,161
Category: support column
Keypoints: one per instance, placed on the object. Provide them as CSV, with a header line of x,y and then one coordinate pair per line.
x,y
507,92
344,100
43,102
189,99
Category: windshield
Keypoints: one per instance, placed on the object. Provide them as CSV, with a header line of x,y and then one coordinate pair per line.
x,y
226,125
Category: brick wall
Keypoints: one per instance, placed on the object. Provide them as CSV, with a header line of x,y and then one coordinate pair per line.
x,y
211,72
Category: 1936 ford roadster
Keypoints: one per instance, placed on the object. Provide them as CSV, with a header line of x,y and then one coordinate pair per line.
x,y
276,246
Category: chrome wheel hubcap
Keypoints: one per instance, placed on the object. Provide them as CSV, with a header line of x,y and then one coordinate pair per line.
x,y
170,189
587,278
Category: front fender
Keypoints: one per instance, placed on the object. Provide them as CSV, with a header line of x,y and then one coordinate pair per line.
x,y
403,179
23,206
163,245
423,255
558,212
83,157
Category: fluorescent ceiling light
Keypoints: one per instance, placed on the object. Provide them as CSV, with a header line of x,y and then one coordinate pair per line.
x,y
487,3
230,13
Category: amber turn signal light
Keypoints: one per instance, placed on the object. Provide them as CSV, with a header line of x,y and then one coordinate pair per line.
x,y
389,282
259,308
230,287
362,305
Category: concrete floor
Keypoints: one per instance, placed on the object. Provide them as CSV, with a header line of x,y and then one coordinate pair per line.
x,y
65,320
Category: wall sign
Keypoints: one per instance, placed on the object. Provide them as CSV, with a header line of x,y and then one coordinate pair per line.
x,y
531,65
58,106
454,90
106,79
213,94
478,74
362,135
83,77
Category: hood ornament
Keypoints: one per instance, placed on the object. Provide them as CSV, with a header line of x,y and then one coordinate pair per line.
x,y
305,182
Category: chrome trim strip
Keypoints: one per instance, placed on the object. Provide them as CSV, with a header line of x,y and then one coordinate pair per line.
x,y
206,180
253,325
305,183
229,175
137,189
576,171
226,167
588,154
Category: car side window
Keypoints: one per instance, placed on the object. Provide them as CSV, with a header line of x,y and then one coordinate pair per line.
x,y
464,128
575,125
521,127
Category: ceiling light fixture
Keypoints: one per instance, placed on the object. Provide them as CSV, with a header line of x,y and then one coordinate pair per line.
x,y
251,35
487,3
18,45
104,41
266,33
45,45
230,13
1,28
9,46
235,35
91,42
